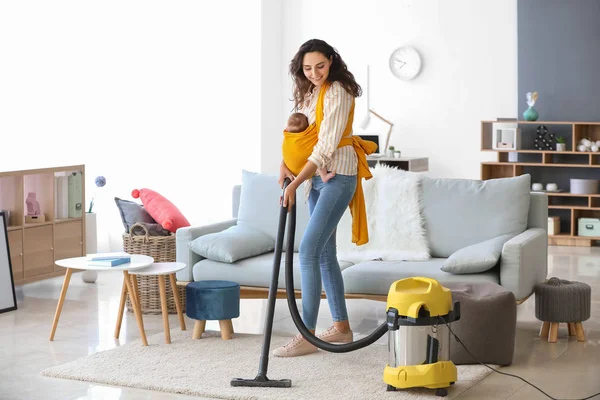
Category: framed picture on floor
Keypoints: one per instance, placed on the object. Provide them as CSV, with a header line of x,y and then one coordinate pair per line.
x,y
8,299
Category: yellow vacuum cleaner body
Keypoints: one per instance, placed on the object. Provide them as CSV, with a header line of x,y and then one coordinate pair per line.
x,y
418,311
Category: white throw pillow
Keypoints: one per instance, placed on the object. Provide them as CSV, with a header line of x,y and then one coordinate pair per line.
x,y
396,233
476,258
233,244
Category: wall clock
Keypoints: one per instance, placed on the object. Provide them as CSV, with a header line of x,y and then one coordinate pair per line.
x,y
405,62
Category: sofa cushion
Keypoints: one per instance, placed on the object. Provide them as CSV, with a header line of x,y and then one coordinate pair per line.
x,y
260,206
376,277
476,258
254,271
132,212
233,244
462,212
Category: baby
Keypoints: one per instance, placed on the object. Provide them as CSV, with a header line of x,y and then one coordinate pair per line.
x,y
298,122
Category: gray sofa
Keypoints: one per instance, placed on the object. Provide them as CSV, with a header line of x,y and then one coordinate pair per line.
x,y
458,215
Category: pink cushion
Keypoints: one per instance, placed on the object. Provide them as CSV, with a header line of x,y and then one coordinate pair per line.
x,y
161,209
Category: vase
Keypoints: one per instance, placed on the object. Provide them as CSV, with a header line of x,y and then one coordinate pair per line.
x,y
530,114
91,245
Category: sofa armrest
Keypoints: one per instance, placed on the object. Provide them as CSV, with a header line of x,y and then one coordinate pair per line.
x,y
524,262
183,253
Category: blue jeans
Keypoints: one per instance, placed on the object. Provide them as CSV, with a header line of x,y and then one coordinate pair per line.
x,y
327,203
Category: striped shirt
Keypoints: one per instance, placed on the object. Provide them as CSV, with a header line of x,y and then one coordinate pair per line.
x,y
336,109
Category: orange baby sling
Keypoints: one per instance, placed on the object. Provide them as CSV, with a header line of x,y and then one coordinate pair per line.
x,y
297,147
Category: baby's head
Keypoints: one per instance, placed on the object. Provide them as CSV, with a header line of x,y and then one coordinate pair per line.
x,y
297,122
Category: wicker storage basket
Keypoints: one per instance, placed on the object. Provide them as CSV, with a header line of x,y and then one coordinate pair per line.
x,y
162,249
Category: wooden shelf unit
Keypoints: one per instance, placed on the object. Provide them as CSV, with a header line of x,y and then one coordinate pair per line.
x,y
560,164
34,247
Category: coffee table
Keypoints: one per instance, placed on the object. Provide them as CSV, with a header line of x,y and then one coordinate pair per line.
x,y
138,261
162,270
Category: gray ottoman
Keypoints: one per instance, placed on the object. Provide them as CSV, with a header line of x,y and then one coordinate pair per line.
x,y
558,300
487,325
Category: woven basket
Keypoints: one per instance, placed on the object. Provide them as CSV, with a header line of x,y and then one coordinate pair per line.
x,y
161,249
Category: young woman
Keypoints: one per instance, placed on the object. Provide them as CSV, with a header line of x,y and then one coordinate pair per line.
x,y
324,90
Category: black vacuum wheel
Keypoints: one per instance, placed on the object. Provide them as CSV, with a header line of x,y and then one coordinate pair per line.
x,y
441,392
391,388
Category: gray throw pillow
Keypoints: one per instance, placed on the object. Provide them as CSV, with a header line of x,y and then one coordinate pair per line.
x,y
232,244
132,212
476,258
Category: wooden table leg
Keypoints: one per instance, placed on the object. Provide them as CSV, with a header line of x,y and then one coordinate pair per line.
x,y
136,308
226,329
177,301
61,300
164,308
553,332
121,309
136,289
545,330
579,331
198,329
571,328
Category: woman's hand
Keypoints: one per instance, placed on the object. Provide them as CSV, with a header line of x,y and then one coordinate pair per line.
x,y
284,172
289,196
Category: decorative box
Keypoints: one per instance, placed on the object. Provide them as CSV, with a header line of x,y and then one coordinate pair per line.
x,y
506,136
32,219
553,225
584,186
588,227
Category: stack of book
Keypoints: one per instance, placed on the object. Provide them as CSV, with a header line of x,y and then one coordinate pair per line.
x,y
108,261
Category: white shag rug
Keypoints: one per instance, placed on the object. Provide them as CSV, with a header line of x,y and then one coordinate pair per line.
x,y
396,228
206,366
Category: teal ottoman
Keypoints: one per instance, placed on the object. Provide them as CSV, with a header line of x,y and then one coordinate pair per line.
x,y
213,301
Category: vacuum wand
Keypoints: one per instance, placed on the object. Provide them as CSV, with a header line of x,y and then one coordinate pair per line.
x,y
261,379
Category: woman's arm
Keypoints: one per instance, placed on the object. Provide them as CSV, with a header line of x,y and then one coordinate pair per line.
x,y
289,197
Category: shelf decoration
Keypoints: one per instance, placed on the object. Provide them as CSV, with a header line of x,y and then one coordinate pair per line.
x,y
506,136
588,145
531,113
544,139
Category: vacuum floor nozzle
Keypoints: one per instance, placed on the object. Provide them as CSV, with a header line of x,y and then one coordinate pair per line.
x,y
262,381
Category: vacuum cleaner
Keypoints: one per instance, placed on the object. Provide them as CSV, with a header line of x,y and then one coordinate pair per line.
x,y
418,312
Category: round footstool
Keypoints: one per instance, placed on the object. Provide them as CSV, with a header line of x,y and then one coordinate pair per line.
x,y
558,300
213,301
487,324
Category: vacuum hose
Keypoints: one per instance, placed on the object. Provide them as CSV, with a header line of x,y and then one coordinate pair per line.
x,y
291,296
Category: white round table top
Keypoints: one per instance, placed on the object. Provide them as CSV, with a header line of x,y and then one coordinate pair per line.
x,y
161,268
138,261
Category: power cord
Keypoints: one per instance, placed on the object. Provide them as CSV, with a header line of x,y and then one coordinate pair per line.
x,y
504,373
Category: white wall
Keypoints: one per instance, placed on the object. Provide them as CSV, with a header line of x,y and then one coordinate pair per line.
x,y
272,122
159,95
469,50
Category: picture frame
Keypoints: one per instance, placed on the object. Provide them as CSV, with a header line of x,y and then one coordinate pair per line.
x,y
8,298
506,136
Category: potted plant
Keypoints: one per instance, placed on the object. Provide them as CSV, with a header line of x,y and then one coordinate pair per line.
x,y
390,152
397,153
560,143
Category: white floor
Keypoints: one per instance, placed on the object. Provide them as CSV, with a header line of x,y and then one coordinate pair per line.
x,y
567,369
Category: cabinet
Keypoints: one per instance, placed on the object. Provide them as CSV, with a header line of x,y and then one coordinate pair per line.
x,y
552,166
35,246
15,244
